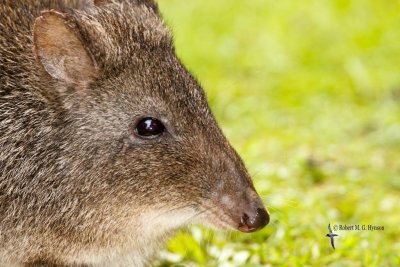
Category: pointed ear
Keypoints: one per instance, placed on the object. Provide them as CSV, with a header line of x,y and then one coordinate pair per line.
x,y
59,49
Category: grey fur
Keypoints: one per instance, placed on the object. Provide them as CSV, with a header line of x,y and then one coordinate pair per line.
x,y
77,188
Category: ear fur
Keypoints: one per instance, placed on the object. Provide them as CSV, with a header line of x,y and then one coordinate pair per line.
x,y
58,47
149,3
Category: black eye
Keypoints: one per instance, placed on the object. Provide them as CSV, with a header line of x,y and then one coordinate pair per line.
x,y
149,127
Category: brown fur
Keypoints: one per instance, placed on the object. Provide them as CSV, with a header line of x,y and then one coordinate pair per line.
x,y
77,188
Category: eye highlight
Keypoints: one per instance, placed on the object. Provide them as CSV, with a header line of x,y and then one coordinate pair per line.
x,y
149,127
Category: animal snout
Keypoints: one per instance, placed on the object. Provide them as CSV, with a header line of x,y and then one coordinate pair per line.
x,y
246,211
253,220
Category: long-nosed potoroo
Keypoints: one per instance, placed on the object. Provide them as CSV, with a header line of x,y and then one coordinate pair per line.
x,y
107,143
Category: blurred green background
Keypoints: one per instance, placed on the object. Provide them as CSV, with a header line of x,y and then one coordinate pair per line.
x,y
308,92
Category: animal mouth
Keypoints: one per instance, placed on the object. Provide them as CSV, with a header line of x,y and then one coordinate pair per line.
x,y
245,224
251,224
243,217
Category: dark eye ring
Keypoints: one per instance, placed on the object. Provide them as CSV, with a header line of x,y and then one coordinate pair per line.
x,y
149,127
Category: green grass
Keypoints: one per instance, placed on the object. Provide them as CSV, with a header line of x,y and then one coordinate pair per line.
x,y
308,92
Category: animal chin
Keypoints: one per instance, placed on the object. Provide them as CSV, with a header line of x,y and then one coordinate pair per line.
x,y
219,221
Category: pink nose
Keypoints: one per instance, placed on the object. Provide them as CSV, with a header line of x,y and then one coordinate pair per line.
x,y
250,222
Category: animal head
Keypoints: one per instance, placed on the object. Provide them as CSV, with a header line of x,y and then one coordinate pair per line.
x,y
140,146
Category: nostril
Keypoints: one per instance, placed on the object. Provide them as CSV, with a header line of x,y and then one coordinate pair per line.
x,y
245,220
262,218
255,222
